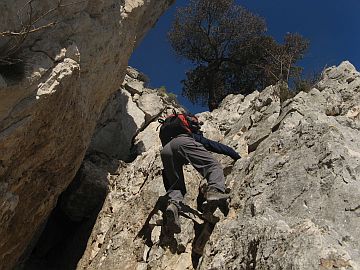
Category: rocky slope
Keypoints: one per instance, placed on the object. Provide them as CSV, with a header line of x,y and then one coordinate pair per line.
x,y
71,65
295,191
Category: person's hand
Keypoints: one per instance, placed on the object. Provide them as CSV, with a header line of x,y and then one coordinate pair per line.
x,y
236,157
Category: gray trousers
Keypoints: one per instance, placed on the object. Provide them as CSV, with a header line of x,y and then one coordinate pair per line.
x,y
183,150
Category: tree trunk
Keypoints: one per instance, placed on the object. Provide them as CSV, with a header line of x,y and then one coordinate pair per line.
x,y
212,77
212,102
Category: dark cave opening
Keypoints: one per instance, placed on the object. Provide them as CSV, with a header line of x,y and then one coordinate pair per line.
x,y
64,238
61,244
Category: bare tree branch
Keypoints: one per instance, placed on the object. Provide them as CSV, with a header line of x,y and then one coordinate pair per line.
x,y
25,32
17,38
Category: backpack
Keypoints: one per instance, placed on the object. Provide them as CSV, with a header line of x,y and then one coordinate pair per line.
x,y
176,124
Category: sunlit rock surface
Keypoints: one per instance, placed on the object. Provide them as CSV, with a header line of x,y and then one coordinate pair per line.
x,y
295,191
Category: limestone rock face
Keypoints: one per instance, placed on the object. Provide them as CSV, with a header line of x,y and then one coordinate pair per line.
x,y
48,115
128,112
295,191
119,122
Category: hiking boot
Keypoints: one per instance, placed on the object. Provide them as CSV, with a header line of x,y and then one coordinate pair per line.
x,y
172,218
215,195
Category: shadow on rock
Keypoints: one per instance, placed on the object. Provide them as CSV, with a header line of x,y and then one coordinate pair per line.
x,y
204,223
167,239
204,230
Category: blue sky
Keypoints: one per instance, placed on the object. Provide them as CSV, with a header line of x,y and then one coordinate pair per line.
x,y
332,26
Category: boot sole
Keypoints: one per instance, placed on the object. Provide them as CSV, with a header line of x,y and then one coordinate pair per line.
x,y
214,199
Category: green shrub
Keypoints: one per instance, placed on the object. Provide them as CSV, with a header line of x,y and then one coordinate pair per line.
x,y
169,97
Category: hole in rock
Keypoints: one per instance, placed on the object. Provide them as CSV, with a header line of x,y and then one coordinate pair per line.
x,y
12,67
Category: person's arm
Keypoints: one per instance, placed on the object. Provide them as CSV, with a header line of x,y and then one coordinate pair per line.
x,y
216,146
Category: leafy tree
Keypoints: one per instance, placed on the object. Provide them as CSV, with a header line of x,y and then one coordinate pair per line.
x,y
230,51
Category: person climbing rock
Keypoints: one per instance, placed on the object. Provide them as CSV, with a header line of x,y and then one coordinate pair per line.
x,y
184,143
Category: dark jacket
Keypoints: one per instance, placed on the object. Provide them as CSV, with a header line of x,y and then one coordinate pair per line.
x,y
216,147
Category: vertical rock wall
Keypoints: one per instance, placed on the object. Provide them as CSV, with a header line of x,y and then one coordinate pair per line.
x,y
48,113
294,195
294,191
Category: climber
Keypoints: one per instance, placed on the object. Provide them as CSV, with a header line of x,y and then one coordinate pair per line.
x,y
183,143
